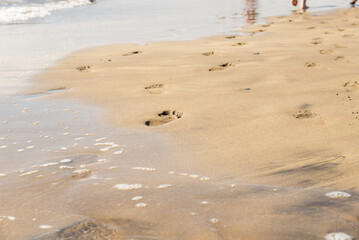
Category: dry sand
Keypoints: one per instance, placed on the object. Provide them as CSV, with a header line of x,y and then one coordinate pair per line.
x,y
275,109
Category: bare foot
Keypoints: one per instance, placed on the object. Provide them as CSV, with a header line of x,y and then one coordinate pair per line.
x,y
304,7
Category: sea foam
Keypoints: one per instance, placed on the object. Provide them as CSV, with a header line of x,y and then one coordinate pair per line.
x,y
20,13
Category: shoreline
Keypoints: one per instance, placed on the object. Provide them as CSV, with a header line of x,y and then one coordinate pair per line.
x,y
237,119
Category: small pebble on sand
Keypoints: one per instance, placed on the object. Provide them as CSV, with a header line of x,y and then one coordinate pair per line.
x,y
214,220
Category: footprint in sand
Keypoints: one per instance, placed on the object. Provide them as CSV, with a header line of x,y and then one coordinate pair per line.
x,y
351,86
132,53
311,64
164,117
311,28
340,29
342,59
317,41
207,54
221,67
304,114
348,35
231,37
83,68
266,25
155,88
240,44
326,51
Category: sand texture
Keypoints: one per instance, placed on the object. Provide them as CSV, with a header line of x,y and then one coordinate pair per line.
x,y
274,109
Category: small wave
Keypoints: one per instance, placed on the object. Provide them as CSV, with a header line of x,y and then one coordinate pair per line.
x,y
22,13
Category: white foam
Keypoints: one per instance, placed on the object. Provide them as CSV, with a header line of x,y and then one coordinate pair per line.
x,y
45,226
141,205
3,174
204,178
49,164
195,176
30,147
118,152
79,138
123,186
137,198
338,194
28,173
67,160
338,236
65,167
144,169
100,139
164,186
3,147
81,173
204,202
20,150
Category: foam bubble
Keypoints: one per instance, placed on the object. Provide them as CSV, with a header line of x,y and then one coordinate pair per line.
x,y
204,178
81,173
100,139
338,236
164,186
49,164
137,198
30,147
20,150
144,169
118,152
338,194
3,174
65,167
141,205
123,186
195,176
28,173
3,147
67,160
45,226
79,138
204,202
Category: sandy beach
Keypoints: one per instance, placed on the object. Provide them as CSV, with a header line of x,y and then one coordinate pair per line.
x,y
249,136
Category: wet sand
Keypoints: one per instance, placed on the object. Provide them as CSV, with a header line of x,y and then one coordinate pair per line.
x,y
258,130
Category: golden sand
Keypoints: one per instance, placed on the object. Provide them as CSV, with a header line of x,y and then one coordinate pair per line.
x,y
274,109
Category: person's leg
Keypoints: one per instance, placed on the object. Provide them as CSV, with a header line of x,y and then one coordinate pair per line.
x,y
294,2
353,2
303,4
